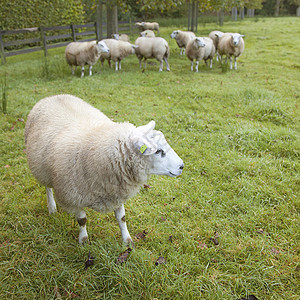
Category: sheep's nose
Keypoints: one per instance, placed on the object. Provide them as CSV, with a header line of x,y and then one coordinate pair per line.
x,y
181,167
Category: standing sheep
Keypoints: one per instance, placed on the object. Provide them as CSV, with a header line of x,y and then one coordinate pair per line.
x,y
121,37
147,33
84,53
118,51
147,25
156,47
215,36
182,38
231,44
200,48
91,161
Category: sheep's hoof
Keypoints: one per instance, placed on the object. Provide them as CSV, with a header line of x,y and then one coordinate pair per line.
x,y
129,243
83,240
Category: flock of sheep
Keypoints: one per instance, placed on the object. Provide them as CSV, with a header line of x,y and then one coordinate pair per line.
x,y
147,45
87,159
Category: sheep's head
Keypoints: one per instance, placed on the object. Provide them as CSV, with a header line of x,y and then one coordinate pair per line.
x,y
200,42
102,47
133,47
162,159
174,34
236,37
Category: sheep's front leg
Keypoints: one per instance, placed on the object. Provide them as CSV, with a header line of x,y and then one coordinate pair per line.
x,y
116,65
120,216
235,63
192,63
50,201
81,219
197,63
217,56
119,65
211,63
181,50
82,72
90,70
230,59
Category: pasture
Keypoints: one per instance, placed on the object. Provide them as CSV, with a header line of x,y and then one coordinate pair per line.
x,y
227,228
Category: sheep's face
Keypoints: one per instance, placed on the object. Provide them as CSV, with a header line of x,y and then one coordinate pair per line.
x,y
103,47
162,159
200,42
133,48
174,34
236,37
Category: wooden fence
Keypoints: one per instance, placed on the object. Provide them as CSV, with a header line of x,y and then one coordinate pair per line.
x,y
44,38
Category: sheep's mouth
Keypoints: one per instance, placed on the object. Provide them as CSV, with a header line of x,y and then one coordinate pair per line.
x,y
172,174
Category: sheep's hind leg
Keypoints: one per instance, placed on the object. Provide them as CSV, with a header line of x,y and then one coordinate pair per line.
x,y
167,63
197,64
81,219
230,62
50,201
120,216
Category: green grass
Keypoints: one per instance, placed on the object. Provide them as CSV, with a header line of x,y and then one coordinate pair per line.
x,y
238,134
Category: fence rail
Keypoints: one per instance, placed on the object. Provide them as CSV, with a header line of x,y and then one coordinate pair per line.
x,y
45,38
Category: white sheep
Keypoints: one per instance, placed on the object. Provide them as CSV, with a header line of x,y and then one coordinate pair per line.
x,y
155,47
215,36
84,53
118,50
231,44
147,33
121,37
148,25
182,38
91,161
200,48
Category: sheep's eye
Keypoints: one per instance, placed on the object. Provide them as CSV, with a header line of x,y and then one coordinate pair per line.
x,y
160,151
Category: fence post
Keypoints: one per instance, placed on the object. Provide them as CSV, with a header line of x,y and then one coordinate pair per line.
x,y
43,39
73,32
3,60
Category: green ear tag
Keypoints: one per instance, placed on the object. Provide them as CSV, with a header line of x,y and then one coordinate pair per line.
x,y
143,149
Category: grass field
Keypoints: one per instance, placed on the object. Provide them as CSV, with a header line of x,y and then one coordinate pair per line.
x,y
228,227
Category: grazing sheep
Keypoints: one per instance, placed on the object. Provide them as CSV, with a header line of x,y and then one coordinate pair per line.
x,y
84,53
91,161
147,25
200,48
121,37
231,44
118,51
182,38
156,47
147,33
215,36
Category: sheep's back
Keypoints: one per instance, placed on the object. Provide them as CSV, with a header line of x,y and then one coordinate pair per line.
x,y
53,119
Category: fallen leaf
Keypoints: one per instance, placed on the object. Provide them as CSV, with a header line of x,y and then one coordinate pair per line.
x,y
275,251
20,120
147,186
251,297
141,235
89,262
160,260
123,256
201,245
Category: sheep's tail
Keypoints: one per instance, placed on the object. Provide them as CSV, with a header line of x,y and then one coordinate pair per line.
x,y
167,53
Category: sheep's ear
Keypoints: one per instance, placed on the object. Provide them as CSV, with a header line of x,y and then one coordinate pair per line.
x,y
134,46
141,139
147,128
242,35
